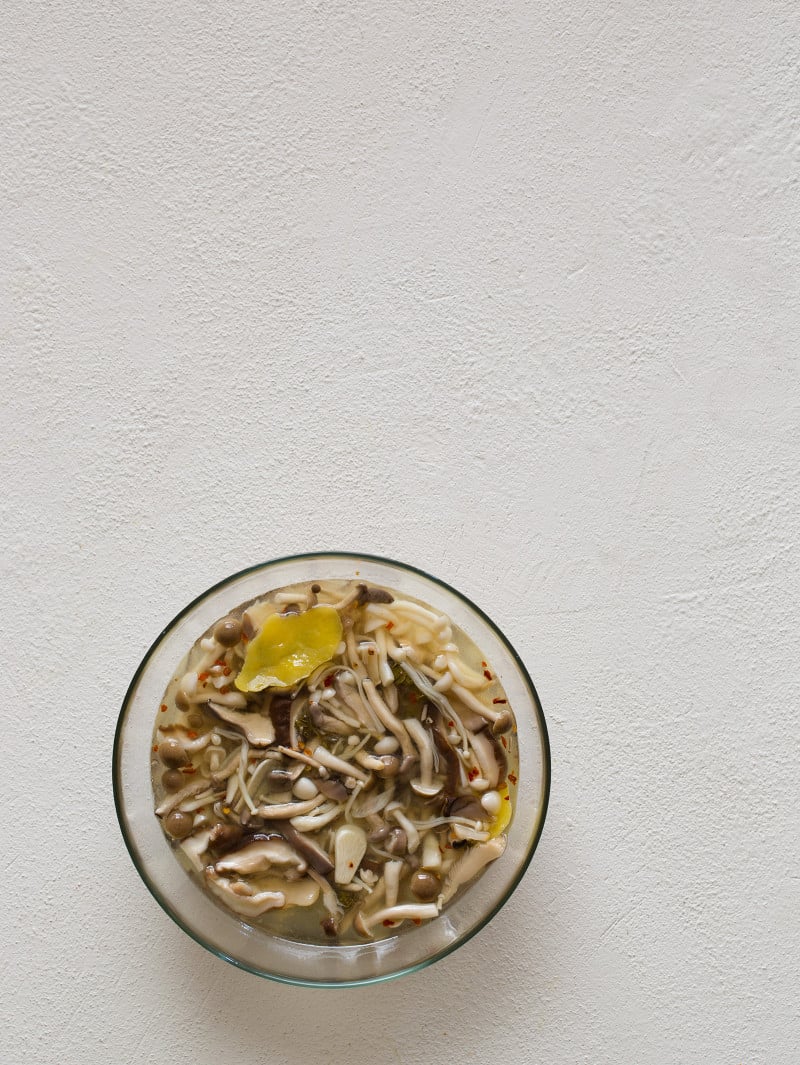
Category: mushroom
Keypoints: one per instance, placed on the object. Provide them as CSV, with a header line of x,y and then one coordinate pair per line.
x,y
178,824
349,847
484,752
326,722
228,631
405,912
391,872
410,829
424,785
330,761
247,905
224,837
280,712
396,840
431,854
468,866
174,800
372,595
227,769
446,753
388,719
353,700
500,720
194,847
425,885
259,855
172,780
332,788
257,729
466,806
317,859
282,810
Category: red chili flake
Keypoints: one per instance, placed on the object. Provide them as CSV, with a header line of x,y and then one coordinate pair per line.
x,y
499,700
417,921
192,734
512,778
202,677
350,865
245,638
507,798
220,662
488,675
389,626
225,689
328,680
189,769
226,671
163,708
503,741
155,748
388,924
473,773
483,664
371,650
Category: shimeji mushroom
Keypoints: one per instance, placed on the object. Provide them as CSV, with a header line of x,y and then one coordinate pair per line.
x,y
408,911
389,720
257,729
424,785
330,761
500,720
280,810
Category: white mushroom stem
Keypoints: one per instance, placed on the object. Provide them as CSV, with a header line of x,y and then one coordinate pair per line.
x,y
329,900
358,705
468,866
425,784
170,803
437,698
463,832
227,767
410,829
484,753
461,673
500,720
233,700
298,755
391,872
289,809
388,719
240,771
201,801
384,669
405,912
330,761
313,823
431,855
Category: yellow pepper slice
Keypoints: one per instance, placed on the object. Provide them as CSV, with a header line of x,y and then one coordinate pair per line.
x,y
289,647
503,818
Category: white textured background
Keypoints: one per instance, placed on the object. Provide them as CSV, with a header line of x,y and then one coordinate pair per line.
x,y
506,290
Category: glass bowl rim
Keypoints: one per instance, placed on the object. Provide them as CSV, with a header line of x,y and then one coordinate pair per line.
x,y
450,947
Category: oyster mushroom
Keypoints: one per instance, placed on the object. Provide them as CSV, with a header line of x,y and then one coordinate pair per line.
x,y
260,855
257,729
246,905
500,720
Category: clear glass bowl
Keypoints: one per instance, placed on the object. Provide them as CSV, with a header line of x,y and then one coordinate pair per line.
x,y
233,939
